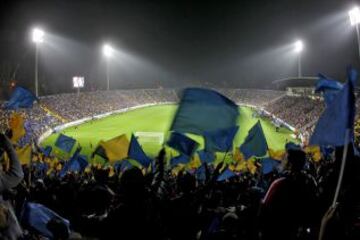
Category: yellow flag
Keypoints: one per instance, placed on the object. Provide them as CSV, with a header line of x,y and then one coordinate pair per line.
x,y
314,151
238,156
251,166
16,124
195,162
276,154
24,154
116,148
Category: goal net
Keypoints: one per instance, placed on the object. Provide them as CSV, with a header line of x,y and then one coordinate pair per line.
x,y
150,137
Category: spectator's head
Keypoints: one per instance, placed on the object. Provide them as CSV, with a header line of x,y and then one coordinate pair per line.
x,y
58,228
295,160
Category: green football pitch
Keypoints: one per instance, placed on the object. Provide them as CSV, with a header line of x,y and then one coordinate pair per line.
x,y
157,119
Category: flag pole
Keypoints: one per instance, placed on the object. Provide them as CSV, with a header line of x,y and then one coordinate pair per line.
x,y
332,208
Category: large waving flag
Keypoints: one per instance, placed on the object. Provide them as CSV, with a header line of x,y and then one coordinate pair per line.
x,y
16,124
203,110
114,149
137,153
65,143
227,174
328,87
39,217
220,140
181,159
24,154
255,143
206,157
77,163
268,165
182,143
338,117
20,98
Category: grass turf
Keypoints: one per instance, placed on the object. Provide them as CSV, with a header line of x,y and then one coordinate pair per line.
x,y
157,119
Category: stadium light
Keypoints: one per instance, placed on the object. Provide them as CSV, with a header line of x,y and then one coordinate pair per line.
x,y
298,48
37,37
108,52
354,15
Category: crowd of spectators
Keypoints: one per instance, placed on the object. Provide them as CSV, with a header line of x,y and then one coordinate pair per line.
x,y
129,203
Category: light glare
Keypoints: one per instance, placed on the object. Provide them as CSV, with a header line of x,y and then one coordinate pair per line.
x,y
299,46
38,35
108,50
354,15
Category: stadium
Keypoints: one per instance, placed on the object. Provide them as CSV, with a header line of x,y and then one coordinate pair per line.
x,y
179,120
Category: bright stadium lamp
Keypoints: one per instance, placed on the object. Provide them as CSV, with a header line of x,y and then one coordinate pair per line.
x,y
298,48
354,15
108,51
37,37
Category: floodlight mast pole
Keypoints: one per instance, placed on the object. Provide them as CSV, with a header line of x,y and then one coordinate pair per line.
x,y
299,65
107,74
36,69
358,37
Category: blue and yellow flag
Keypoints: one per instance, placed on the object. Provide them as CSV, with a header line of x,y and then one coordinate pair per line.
x,y
137,153
20,98
65,143
255,143
202,110
220,140
16,124
182,143
114,149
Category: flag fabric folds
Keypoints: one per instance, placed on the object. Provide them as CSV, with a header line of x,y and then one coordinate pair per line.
x,y
65,143
220,140
338,117
181,159
24,154
20,98
202,110
255,143
182,143
206,157
114,149
227,174
77,163
277,154
40,217
16,124
268,165
137,153
328,87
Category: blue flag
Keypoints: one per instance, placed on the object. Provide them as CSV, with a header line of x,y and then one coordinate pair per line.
x,y
37,216
200,173
328,87
203,110
255,143
220,140
227,174
292,146
20,98
181,159
268,165
65,143
137,153
122,166
77,163
206,157
337,117
182,143
47,151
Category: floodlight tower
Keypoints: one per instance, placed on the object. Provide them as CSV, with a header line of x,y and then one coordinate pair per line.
x,y
298,48
354,15
37,37
108,52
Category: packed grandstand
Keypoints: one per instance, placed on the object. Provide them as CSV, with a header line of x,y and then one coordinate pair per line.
x,y
301,112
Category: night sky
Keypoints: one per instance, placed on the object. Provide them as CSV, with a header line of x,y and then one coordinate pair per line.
x,y
175,43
